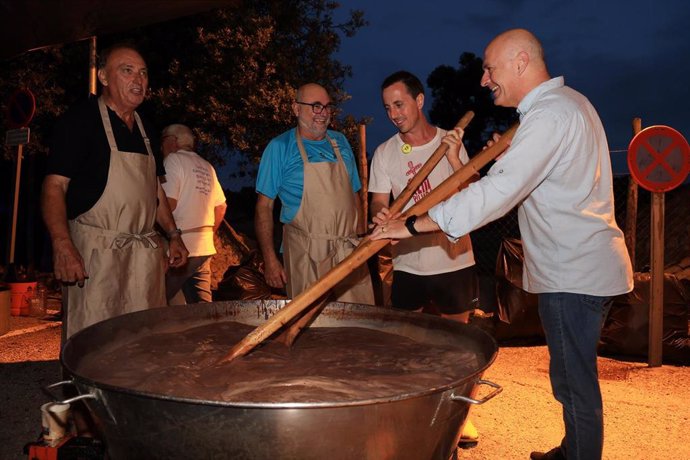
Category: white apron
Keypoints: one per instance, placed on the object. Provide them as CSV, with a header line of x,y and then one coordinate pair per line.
x,y
324,231
122,252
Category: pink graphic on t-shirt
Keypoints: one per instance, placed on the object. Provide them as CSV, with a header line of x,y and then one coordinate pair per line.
x,y
424,188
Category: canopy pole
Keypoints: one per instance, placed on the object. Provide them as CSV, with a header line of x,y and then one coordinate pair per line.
x,y
93,65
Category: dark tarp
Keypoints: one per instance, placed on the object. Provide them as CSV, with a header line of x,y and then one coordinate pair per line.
x,y
517,309
626,329
30,24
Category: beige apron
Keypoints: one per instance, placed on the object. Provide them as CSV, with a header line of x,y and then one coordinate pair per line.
x,y
122,252
323,231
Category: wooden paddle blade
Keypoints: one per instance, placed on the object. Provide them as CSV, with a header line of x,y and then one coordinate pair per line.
x,y
288,336
359,256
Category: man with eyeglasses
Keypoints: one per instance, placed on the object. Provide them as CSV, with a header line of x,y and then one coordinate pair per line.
x,y
312,170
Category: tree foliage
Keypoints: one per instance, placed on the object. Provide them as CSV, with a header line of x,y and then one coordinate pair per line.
x,y
455,91
37,71
229,74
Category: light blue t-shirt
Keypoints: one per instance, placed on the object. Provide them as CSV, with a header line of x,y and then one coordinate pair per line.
x,y
281,171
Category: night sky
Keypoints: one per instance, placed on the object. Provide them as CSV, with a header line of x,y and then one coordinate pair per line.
x,y
630,58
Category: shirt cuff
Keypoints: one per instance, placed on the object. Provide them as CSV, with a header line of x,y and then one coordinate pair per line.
x,y
439,215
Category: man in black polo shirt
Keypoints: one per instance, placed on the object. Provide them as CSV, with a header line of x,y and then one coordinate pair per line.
x,y
101,200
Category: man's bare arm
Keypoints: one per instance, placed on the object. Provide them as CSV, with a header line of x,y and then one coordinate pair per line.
x,y
177,251
219,215
68,264
263,224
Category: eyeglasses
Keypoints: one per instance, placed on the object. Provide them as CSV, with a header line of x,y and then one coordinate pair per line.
x,y
318,107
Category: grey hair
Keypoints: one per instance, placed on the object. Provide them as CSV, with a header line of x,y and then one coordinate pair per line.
x,y
184,135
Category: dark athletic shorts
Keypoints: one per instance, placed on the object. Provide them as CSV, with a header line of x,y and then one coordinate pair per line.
x,y
448,293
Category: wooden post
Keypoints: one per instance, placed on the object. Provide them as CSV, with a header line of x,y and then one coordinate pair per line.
x,y
631,208
364,179
656,294
17,180
93,65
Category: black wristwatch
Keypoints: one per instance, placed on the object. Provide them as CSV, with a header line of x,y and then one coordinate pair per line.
x,y
409,224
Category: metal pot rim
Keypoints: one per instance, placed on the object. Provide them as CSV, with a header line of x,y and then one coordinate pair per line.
x,y
334,308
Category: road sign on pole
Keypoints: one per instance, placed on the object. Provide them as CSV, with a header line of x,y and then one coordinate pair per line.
x,y
659,158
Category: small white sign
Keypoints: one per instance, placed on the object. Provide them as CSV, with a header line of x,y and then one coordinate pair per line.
x,y
19,136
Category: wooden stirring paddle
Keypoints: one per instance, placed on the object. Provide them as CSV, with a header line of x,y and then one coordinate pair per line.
x,y
366,249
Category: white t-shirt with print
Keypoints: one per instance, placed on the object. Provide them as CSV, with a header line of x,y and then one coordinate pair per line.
x,y
391,170
192,181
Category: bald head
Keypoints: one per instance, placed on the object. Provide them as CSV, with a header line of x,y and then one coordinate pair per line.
x,y
517,41
513,66
311,89
313,109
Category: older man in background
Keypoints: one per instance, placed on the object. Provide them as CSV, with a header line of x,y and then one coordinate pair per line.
x,y
198,205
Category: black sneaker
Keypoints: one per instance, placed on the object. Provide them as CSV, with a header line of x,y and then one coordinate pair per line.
x,y
554,454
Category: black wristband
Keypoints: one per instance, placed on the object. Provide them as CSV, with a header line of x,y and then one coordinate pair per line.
x,y
409,224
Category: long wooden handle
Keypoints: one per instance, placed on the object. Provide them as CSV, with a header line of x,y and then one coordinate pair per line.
x,y
363,179
366,249
425,170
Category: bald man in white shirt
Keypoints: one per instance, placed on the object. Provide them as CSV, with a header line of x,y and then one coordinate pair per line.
x,y
558,172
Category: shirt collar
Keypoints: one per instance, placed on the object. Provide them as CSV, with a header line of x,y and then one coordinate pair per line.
x,y
528,101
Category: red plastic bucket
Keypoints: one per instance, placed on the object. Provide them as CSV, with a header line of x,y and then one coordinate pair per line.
x,y
4,309
20,295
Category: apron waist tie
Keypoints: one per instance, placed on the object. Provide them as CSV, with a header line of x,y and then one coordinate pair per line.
x,y
352,238
121,239
342,247
205,228
127,239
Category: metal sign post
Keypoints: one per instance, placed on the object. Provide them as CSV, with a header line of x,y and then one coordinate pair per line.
x,y
659,160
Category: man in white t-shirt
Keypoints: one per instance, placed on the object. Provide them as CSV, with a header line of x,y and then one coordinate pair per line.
x,y
429,272
198,206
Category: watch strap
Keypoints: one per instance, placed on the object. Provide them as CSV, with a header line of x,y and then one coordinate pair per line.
x,y
409,224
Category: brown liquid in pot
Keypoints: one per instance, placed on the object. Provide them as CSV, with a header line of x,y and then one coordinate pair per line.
x,y
325,364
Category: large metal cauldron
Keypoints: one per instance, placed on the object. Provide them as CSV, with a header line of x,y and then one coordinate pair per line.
x,y
422,425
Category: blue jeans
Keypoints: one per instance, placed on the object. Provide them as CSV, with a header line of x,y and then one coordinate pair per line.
x,y
194,279
572,324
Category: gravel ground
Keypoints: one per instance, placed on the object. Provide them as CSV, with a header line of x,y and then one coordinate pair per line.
x,y
647,410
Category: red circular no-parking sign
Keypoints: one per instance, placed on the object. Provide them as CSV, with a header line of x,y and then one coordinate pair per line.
x,y
21,108
659,158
